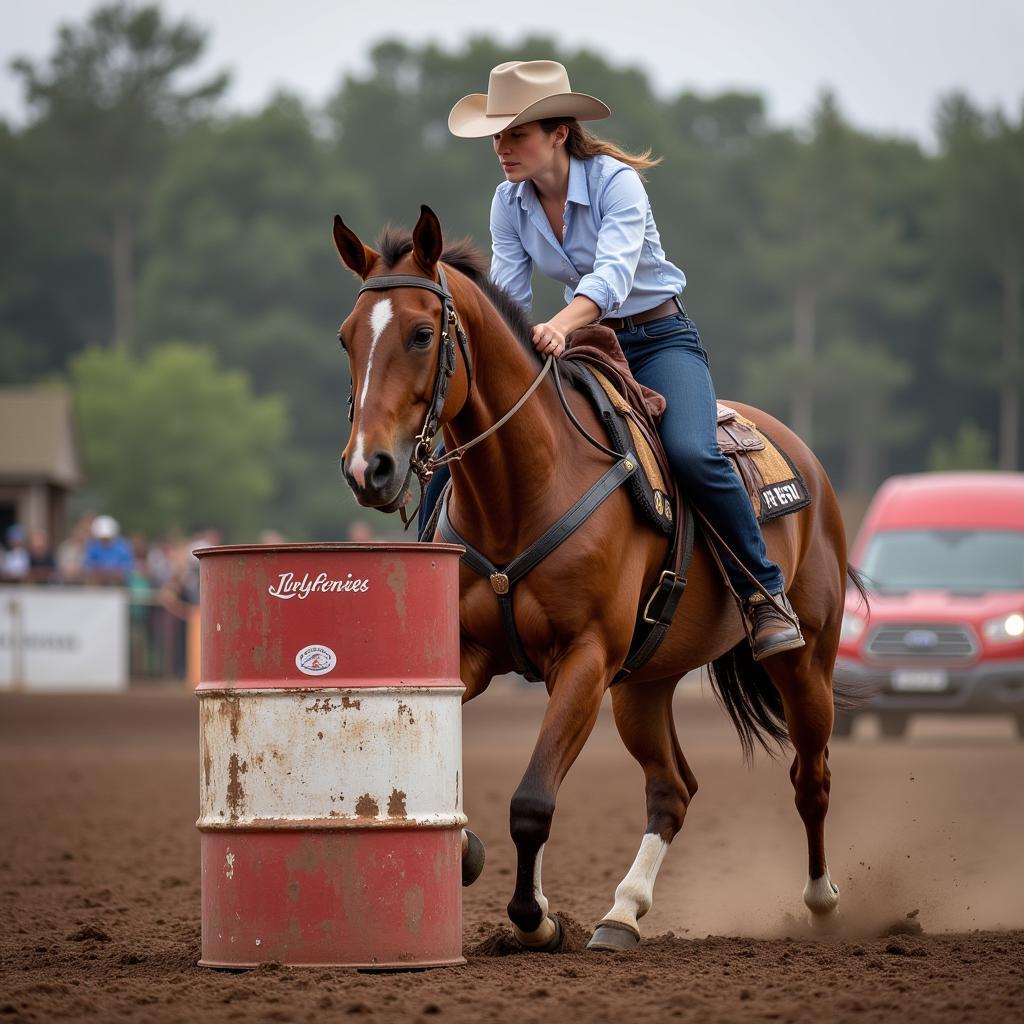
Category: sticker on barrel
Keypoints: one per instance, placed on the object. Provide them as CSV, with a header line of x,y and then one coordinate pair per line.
x,y
315,660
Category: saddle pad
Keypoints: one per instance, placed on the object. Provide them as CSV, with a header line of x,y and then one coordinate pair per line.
x,y
773,483
648,488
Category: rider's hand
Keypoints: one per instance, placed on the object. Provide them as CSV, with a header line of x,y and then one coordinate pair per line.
x,y
548,338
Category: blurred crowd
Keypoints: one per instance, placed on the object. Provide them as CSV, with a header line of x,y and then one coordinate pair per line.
x,y
95,552
161,577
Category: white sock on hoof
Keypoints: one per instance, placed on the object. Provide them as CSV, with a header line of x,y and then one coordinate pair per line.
x,y
821,896
636,891
541,937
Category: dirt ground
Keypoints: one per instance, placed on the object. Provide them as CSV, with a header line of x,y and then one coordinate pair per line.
x,y
99,873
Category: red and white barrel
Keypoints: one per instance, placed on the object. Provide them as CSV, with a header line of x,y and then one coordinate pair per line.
x,y
330,755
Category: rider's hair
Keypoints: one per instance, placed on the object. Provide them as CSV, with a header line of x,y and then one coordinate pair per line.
x,y
583,144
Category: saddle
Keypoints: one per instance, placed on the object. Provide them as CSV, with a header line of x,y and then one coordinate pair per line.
x,y
630,411
775,486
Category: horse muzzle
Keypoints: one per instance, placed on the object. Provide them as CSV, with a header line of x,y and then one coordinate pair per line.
x,y
379,481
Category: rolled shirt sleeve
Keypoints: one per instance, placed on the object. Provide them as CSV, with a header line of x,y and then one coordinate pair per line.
x,y
511,265
619,242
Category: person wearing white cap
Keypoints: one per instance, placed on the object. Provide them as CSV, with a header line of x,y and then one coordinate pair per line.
x,y
574,206
108,555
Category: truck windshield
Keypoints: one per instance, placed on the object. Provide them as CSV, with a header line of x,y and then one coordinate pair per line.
x,y
958,560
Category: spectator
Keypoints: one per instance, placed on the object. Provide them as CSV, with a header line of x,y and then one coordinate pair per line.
x,y
108,556
16,563
71,551
42,565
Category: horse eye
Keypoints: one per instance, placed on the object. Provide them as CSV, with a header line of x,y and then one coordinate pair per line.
x,y
341,339
423,337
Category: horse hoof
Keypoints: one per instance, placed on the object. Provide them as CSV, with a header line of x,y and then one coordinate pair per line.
x,y
553,945
473,858
614,937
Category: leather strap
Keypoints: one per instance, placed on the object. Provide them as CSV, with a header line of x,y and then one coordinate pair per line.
x,y
420,460
661,605
503,580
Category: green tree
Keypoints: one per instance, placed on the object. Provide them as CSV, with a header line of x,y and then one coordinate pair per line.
x,y
979,237
108,106
970,449
172,442
819,241
240,255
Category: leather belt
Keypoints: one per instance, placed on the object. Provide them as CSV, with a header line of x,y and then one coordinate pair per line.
x,y
667,308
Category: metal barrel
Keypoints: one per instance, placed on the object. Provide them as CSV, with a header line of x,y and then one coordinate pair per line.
x,y
330,755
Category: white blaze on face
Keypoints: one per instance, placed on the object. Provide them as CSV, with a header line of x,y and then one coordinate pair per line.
x,y
380,316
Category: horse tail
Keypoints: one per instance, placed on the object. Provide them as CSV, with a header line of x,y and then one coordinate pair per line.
x,y
847,698
858,579
747,693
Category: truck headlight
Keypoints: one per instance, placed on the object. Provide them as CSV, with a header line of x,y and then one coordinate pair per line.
x,y
852,627
1004,627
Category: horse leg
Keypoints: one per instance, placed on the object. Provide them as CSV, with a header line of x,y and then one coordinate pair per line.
x,y
576,686
476,670
643,717
806,689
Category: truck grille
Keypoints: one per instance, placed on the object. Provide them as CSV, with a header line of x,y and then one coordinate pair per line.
x,y
922,641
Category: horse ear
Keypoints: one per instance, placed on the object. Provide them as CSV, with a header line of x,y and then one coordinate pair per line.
x,y
357,257
427,242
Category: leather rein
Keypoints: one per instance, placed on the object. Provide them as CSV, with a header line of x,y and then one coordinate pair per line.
x,y
660,607
423,461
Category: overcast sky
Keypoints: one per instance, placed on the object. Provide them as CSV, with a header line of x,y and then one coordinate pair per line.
x,y
888,60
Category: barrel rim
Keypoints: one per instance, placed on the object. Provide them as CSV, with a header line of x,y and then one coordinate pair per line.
x,y
346,822
215,688
351,547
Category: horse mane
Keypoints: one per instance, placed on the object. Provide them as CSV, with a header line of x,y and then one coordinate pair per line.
x,y
463,255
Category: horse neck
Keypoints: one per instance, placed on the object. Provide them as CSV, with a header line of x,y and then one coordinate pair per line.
x,y
516,466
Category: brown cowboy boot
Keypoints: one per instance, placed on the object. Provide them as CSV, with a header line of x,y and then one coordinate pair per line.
x,y
770,630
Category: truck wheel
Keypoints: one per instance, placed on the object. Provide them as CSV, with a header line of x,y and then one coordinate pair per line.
x,y
842,725
894,724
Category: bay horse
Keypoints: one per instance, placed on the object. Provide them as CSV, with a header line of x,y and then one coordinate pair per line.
x,y
575,611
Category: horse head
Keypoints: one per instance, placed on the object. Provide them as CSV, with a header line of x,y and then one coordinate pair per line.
x,y
398,339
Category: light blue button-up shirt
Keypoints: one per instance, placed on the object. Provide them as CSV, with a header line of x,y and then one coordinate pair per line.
x,y
610,249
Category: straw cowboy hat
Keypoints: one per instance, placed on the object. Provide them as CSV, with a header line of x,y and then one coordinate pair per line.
x,y
519,91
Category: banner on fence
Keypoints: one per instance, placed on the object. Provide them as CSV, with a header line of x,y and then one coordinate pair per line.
x,y
63,638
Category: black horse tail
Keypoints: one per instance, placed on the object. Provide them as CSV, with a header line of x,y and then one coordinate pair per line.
x,y
748,694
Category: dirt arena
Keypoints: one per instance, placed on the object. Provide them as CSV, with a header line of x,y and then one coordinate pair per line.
x,y
99,871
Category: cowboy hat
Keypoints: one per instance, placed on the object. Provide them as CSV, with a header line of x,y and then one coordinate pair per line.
x,y
519,91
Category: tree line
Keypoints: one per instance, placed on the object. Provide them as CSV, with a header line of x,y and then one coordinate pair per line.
x,y
172,261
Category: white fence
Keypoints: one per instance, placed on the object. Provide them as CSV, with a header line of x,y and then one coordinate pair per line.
x,y
63,638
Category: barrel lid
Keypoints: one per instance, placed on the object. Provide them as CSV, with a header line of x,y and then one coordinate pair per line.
x,y
373,547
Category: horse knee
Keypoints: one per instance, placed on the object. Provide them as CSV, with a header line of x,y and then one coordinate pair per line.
x,y
811,784
667,801
530,815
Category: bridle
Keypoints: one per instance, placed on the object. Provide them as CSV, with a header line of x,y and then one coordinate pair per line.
x,y
420,462
446,355
423,461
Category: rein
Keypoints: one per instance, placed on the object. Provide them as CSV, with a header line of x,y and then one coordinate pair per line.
x,y
661,604
423,462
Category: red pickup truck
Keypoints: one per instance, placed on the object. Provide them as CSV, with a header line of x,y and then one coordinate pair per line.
x,y
943,559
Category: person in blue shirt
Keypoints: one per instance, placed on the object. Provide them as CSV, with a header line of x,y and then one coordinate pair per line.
x,y
108,555
574,207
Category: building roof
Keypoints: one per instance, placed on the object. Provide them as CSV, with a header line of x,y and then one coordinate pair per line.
x,y
38,440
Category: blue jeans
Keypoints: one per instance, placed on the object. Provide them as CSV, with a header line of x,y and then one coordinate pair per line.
x,y
667,356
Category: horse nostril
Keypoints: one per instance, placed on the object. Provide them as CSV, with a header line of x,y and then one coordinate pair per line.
x,y
380,470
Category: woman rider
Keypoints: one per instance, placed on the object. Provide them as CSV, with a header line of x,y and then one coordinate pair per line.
x,y
574,205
